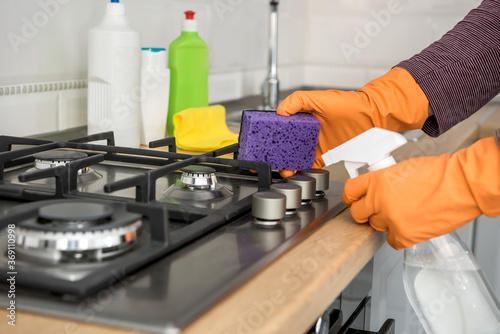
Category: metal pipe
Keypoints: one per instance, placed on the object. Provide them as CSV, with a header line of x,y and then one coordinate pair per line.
x,y
271,85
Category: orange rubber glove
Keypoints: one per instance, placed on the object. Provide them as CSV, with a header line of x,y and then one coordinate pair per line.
x,y
393,101
422,198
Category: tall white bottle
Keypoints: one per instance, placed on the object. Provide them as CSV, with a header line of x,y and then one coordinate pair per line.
x,y
114,67
155,84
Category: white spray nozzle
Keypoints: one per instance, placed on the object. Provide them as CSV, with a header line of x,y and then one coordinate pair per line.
x,y
372,148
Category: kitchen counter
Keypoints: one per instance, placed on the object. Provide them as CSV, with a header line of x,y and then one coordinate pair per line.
x,y
288,295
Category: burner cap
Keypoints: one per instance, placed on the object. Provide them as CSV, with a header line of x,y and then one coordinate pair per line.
x,y
197,169
56,158
198,177
75,211
59,155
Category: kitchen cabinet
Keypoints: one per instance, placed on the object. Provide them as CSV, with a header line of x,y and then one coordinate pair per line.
x,y
487,249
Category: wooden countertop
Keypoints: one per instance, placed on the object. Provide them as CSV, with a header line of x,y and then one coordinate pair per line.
x,y
288,295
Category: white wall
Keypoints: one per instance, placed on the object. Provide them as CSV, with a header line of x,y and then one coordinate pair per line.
x,y
352,41
45,41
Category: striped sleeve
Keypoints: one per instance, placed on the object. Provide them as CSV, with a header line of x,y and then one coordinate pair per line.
x,y
460,73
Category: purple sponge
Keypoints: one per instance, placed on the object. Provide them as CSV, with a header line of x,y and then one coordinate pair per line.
x,y
286,142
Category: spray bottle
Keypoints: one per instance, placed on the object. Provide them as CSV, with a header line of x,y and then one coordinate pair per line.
x,y
443,281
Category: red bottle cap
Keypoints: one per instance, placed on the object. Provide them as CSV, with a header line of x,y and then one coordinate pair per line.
x,y
189,15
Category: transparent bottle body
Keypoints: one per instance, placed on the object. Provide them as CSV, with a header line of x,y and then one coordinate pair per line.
x,y
447,288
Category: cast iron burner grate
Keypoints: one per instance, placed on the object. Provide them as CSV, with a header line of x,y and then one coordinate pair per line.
x,y
178,222
66,176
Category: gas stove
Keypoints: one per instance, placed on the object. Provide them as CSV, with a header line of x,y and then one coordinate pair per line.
x,y
171,232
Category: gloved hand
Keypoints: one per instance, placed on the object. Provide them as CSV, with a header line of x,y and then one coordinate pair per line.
x,y
422,198
393,101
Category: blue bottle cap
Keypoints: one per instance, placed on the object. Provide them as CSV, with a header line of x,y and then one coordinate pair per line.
x,y
112,1
153,49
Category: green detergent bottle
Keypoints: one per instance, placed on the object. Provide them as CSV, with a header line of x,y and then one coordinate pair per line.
x,y
188,60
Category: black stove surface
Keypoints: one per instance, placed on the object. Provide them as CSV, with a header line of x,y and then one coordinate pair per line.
x,y
197,243
172,292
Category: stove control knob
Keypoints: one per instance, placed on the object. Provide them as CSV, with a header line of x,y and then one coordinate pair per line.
x,y
293,193
308,185
322,177
268,207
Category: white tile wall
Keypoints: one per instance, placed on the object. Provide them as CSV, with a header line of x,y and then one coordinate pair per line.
x,y
72,106
229,86
30,115
341,43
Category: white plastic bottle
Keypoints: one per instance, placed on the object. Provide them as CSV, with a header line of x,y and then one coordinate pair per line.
x,y
114,64
443,281
155,84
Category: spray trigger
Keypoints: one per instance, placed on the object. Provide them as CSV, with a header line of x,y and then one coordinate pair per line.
x,y
372,148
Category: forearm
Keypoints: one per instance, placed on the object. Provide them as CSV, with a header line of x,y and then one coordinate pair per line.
x,y
460,72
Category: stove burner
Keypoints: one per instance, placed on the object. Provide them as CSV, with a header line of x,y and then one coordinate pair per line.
x,y
55,158
69,211
197,183
59,157
70,215
199,177
76,231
